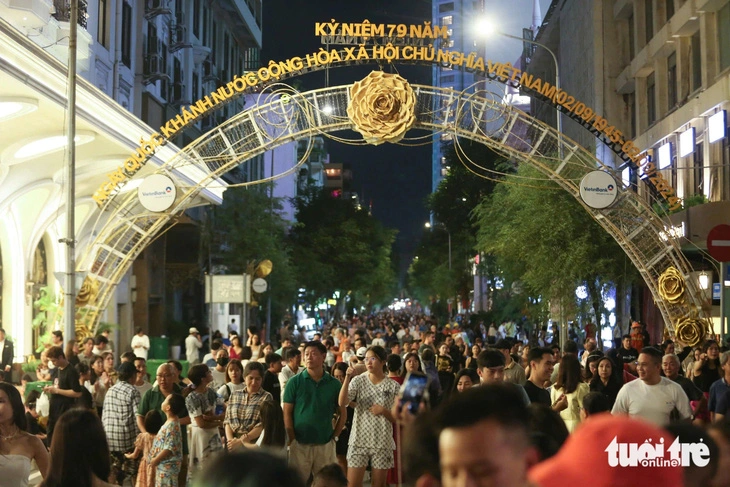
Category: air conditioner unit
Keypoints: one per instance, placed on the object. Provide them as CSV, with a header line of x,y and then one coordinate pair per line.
x,y
154,68
177,94
153,8
179,38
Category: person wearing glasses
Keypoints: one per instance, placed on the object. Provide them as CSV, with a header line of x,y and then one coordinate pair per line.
x,y
371,438
153,399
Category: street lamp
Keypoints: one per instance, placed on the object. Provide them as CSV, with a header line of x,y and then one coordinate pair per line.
x,y
485,28
703,281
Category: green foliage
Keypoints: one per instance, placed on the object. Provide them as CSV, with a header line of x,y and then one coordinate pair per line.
x,y
47,306
30,366
248,227
544,238
469,180
338,247
661,207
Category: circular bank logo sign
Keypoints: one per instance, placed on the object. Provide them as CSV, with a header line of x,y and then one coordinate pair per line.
x,y
157,192
598,189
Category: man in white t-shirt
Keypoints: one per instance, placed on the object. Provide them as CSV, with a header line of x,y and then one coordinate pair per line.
x,y
140,344
652,397
192,346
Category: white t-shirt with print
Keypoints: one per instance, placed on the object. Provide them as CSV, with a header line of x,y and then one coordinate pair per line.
x,y
652,403
369,430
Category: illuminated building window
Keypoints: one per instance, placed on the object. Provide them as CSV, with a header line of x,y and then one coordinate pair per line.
x,y
447,20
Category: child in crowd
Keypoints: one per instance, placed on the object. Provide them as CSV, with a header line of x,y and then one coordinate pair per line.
x,y
165,458
152,422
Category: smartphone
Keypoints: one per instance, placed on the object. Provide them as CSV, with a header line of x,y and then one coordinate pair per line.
x,y
414,391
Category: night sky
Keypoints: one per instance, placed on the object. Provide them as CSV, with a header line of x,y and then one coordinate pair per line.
x,y
395,179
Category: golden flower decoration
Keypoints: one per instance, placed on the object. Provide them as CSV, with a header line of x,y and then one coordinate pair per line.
x,y
692,331
382,107
87,293
671,286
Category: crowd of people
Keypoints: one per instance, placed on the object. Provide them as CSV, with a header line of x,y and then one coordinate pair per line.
x,y
333,408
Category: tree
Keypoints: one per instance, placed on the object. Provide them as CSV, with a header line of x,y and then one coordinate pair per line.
x,y
542,236
340,247
247,228
474,170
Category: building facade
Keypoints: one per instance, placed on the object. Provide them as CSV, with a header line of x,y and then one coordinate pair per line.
x,y
458,16
659,70
139,63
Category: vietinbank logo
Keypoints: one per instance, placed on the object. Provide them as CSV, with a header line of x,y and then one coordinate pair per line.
x,y
607,189
598,189
651,454
157,192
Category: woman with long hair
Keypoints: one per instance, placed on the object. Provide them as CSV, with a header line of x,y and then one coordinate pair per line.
x,y
591,368
109,369
101,383
234,351
274,433
571,385
79,452
411,363
254,341
605,381
465,379
471,357
371,439
234,379
18,448
266,349
205,439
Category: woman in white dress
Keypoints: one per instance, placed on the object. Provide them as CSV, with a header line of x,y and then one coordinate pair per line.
x,y
205,440
17,447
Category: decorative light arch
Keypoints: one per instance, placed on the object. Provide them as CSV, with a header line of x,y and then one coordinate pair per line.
x,y
284,115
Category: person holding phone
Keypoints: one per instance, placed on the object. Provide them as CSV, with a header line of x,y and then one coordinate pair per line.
x,y
371,438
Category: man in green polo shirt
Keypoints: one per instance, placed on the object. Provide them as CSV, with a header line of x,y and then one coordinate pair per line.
x,y
153,399
310,403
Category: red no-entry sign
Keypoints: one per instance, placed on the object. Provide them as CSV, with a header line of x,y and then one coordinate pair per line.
x,y
718,243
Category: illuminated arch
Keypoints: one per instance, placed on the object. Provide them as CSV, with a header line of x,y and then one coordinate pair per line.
x,y
282,117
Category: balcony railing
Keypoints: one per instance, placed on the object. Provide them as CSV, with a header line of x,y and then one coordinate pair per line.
x,y
63,11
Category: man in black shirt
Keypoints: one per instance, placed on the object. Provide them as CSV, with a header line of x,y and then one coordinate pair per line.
x,y
65,389
671,367
271,377
541,363
627,355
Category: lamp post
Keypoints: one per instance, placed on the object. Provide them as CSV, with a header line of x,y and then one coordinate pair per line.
x,y
487,27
